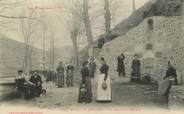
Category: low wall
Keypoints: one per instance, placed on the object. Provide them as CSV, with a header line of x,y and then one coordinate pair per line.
x,y
176,98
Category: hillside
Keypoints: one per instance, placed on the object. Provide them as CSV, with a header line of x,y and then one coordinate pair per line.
x,y
166,39
12,57
64,54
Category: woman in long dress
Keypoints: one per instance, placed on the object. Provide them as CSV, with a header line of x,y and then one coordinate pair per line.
x,y
70,75
60,75
104,93
85,90
136,73
121,66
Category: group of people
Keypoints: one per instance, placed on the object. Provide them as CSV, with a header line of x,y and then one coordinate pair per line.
x,y
104,81
103,86
88,72
60,75
136,72
169,79
31,87
136,64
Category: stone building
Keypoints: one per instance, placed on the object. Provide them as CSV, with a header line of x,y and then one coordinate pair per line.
x,y
156,40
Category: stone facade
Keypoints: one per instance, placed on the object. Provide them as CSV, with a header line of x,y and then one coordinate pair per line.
x,y
176,98
166,41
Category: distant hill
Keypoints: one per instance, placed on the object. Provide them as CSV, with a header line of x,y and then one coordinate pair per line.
x,y
12,57
64,54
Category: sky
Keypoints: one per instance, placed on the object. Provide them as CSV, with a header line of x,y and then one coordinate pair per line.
x,y
53,11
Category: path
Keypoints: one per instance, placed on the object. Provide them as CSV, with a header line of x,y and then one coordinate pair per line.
x,y
125,94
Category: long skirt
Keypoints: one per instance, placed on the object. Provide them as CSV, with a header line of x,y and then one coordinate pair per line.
x,y
104,94
60,79
87,96
70,79
92,73
135,74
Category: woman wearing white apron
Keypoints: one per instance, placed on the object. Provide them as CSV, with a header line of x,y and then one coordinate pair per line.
x,y
104,84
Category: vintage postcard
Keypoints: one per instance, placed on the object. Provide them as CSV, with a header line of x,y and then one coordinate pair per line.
x,y
102,56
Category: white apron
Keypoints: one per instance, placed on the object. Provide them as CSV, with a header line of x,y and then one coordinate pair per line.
x,y
104,95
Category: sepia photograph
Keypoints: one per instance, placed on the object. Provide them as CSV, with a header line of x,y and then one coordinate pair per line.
x,y
66,56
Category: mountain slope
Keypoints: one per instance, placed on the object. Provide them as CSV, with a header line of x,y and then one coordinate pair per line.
x,y
12,57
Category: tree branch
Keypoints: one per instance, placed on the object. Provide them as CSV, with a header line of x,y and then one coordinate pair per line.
x,y
14,17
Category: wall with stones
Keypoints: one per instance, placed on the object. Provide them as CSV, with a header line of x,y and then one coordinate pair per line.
x,y
155,46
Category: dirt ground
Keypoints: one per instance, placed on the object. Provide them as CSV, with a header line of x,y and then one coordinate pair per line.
x,y
124,95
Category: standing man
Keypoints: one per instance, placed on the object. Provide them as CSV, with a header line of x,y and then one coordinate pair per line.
x,y
92,67
70,75
121,66
60,75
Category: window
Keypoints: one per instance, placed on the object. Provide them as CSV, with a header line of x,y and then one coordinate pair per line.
x,y
149,46
159,54
150,24
139,55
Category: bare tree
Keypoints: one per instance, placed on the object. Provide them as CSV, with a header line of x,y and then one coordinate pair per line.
x,y
44,30
109,10
28,28
44,39
7,19
51,54
107,17
88,26
133,5
73,20
10,4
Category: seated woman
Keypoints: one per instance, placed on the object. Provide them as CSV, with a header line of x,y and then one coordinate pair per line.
x,y
171,73
37,81
85,90
104,84
167,82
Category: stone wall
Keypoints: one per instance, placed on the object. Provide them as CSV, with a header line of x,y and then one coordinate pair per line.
x,y
176,98
166,39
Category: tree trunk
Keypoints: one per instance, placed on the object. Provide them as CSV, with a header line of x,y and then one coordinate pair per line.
x,y
107,19
75,46
133,5
43,47
88,27
53,52
26,70
30,57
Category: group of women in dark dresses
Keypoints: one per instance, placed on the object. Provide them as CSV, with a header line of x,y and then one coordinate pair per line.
x,y
103,87
135,74
104,81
